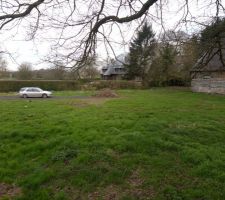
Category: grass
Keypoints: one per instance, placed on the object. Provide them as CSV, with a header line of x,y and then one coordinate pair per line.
x,y
151,144
56,93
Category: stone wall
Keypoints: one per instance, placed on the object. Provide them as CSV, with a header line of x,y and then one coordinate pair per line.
x,y
202,74
211,85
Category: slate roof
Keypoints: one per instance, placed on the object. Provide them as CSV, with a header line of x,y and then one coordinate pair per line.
x,y
114,68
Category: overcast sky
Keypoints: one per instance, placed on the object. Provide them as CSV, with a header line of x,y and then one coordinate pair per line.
x,y
34,51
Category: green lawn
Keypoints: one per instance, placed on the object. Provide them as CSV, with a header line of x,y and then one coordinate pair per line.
x,y
151,144
56,93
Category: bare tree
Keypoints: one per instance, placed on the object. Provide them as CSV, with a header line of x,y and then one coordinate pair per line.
x,y
25,71
58,71
3,67
82,25
90,71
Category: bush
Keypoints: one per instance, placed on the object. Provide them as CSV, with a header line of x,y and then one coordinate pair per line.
x,y
116,84
15,85
170,82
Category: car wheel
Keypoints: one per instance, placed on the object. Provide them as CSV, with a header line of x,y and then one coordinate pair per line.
x,y
44,96
25,96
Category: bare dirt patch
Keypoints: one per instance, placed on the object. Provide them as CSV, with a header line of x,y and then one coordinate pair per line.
x,y
111,192
106,93
79,104
89,101
96,101
135,180
9,191
134,188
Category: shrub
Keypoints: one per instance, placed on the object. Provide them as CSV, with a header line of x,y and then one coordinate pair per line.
x,y
15,85
116,84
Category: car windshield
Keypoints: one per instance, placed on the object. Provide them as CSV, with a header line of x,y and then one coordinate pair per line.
x,y
22,89
39,89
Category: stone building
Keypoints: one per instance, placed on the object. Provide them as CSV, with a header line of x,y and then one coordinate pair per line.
x,y
208,74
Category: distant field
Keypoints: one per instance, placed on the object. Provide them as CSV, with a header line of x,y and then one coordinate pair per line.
x,y
161,144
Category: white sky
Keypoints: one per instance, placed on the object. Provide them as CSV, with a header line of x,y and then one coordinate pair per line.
x,y
14,42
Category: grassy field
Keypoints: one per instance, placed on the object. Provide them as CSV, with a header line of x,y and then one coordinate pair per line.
x,y
151,144
56,93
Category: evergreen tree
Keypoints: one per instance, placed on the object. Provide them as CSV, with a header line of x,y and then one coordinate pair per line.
x,y
212,42
213,33
168,56
213,36
141,53
163,68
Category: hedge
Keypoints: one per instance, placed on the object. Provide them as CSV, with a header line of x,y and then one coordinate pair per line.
x,y
57,85
113,84
15,85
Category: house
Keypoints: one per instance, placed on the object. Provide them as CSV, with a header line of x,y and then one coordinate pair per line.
x,y
208,74
114,70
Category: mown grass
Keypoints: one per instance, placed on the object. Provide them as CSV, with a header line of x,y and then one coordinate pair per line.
x,y
73,93
150,144
56,93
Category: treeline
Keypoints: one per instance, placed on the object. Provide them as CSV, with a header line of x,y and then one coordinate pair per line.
x,y
168,60
56,72
164,61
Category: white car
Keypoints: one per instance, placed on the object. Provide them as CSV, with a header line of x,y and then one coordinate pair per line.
x,y
34,92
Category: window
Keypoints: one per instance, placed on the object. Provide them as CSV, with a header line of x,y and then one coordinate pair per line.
x,y
35,90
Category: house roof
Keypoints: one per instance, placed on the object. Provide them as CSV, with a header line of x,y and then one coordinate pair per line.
x,y
112,70
113,67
